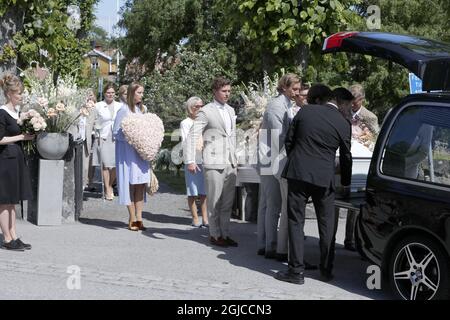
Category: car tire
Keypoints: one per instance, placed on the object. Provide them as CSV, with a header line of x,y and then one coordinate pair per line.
x,y
419,270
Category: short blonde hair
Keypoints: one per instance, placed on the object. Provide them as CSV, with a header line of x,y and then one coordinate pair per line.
x,y
357,91
11,83
287,81
190,103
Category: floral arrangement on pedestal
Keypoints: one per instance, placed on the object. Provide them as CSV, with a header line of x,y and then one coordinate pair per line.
x,y
255,97
61,104
145,133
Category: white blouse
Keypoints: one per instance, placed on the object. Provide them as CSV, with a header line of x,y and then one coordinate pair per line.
x,y
185,127
104,118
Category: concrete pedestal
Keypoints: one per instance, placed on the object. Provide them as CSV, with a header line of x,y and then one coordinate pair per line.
x,y
50,192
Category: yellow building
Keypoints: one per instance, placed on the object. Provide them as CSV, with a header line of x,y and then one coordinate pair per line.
x,y
105,63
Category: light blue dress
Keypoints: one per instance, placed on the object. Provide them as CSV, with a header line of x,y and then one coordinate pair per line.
x,y
195,182
130,167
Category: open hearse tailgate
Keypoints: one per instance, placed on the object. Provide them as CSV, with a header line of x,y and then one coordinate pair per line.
x,y
427,59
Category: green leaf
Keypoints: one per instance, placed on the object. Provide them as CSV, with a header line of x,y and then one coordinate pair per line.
x,y
333,4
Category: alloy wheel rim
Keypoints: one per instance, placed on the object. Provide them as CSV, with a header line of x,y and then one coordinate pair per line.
x,y
416,272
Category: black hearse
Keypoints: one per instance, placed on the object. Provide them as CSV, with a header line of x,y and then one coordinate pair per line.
x,y
404,215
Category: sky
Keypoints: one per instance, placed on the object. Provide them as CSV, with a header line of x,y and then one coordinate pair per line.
x,y
106,14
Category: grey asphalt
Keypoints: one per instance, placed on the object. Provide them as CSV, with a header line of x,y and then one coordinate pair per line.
x,y
171,260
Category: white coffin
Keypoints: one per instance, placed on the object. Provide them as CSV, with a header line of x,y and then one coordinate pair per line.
x,y
361,162
247,175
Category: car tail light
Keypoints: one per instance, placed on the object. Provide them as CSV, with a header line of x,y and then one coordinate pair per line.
x,y
335,40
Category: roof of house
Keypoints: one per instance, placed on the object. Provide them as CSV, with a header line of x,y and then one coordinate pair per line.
x,y
101,54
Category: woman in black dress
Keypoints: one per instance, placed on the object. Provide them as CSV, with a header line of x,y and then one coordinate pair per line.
x,y
15,182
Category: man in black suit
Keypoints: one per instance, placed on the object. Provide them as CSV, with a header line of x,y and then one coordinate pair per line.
x,y
316,132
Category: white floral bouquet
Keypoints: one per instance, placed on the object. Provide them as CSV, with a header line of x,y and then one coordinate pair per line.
x,y
60,104
31,122
255,97
145,132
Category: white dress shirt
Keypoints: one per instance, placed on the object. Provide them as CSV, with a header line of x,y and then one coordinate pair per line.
x,y
225,116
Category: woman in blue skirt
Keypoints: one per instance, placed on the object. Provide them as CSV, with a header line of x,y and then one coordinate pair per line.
x,y
133,172
195,184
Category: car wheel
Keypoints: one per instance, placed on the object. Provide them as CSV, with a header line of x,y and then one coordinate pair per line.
x,y
419,269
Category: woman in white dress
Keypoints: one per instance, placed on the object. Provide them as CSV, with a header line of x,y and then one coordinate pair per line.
x,y
106,112
133,172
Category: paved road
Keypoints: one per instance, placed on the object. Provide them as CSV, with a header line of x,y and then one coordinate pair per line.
x,y
171,260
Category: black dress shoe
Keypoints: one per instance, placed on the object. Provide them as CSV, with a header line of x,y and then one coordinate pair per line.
x,y
230,242
349,247
13,245
270,255
326,276
309,266
26,246
288,276
261,252
282,257
218,242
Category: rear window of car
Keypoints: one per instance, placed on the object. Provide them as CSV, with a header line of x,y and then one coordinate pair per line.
x,y
418,145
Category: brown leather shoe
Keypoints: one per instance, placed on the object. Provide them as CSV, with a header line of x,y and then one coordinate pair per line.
x,y
231,242
218,242
133,226
140,225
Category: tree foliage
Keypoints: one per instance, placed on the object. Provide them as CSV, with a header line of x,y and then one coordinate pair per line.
x,y
190,74
47,35
100,36
271,35
153,26
285,33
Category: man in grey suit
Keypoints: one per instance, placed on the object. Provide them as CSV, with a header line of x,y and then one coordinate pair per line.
x,y
272,158
359,112
217,123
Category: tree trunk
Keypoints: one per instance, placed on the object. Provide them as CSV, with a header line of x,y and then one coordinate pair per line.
x,y
10,23
303,57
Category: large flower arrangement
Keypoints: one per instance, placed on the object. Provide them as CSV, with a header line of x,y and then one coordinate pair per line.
x,y
256,98
60,103
145,133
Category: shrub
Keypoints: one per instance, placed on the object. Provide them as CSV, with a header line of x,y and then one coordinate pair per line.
x,y
190,74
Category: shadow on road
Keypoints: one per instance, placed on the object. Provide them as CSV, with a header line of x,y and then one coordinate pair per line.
x,y
107,224
350,269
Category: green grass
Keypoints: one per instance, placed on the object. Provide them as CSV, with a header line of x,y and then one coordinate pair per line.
x,y
441,156
175,182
